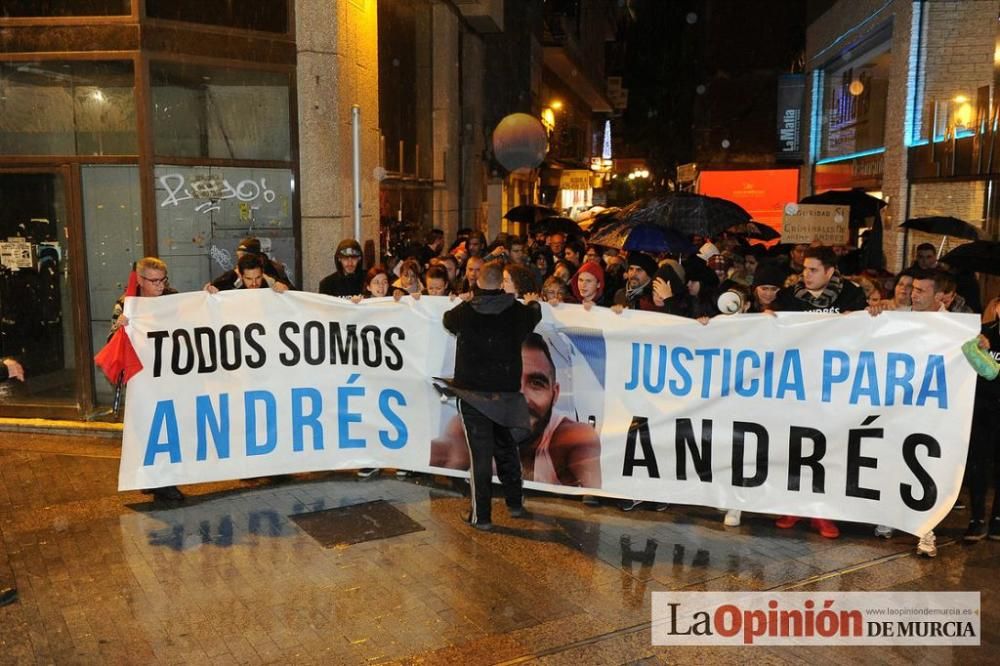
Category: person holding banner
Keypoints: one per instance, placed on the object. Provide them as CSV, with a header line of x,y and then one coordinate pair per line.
x,y
151,281
251,274
768,279
821,288
588,284
376,285
637,294
230,279
491,326
984,446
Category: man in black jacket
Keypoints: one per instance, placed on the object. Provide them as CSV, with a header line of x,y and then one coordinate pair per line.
x,y
491,327
822,288
348,279
230,279
9,369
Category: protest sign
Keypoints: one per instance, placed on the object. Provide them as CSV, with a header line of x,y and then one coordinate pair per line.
x,y
805,223
847,417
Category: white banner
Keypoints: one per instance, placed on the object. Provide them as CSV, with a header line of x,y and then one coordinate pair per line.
x,y
848,417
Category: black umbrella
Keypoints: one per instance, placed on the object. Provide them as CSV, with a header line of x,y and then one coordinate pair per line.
x,y
756,230
977,256
690,214
556,225
861,203
651,238
946,226
530,213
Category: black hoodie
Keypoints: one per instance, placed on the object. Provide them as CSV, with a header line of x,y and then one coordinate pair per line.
x,y
491,329
340,283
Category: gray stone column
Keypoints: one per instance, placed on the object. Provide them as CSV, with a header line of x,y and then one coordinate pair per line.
x,y
446,122
337,67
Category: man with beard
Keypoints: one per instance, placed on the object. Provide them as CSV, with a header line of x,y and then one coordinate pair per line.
x,y
637,294
274,270
349,277
559,450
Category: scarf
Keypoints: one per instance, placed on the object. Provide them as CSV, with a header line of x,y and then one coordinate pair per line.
x,y
829,295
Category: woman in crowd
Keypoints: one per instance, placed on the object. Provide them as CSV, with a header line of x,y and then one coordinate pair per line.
x,y
768,279
542,263
554,291
409,281
376,284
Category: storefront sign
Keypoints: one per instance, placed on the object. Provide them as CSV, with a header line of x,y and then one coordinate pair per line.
x,y
574,180
805,223
791,96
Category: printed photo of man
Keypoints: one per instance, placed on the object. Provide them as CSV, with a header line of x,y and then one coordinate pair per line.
x,y
559,450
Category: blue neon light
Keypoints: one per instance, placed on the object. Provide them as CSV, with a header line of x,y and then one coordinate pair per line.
x,y
851,156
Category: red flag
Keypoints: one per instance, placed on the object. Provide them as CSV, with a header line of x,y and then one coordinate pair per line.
x,y
133,285
118,358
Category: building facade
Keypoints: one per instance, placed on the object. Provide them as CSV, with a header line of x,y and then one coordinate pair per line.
x,y
175,128
902,103
128,129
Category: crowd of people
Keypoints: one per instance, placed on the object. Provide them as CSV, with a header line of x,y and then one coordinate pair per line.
x,y
726,276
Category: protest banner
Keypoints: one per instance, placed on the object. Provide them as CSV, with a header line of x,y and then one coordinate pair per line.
x,y
848,417
805,223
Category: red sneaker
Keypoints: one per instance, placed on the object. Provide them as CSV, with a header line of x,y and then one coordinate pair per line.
x,y
786,521
827,528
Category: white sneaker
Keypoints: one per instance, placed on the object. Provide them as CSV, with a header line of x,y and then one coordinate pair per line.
x,y
732,518
883,531
927,546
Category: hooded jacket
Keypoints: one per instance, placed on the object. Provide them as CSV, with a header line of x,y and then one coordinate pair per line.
x,y
340,283
491,327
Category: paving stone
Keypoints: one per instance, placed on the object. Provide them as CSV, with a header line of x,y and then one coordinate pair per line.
x,y
228,578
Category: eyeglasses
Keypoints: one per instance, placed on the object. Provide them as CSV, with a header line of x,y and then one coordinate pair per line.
x,y
157,281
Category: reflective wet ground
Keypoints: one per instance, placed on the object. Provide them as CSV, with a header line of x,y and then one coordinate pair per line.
x,y
236,575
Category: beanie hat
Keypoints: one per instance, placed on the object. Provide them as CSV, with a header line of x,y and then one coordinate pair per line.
x,y
769,273
698,271
643,261
594,269
707,251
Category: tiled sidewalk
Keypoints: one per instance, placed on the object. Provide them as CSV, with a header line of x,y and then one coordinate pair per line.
x,y
227,577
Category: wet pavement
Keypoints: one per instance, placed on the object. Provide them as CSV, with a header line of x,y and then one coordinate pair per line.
x,y
230,577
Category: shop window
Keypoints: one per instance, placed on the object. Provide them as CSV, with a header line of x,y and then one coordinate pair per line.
x,y
53,8
953,96
405,47
67,108
855,90
203,212
262,15
36,299
222,113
